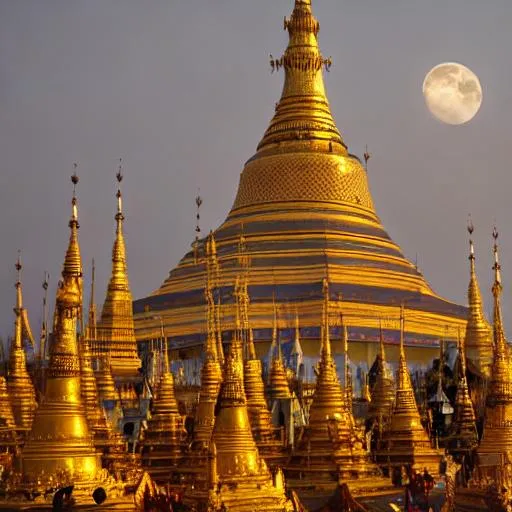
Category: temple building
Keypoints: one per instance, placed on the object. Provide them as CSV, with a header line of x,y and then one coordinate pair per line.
x,y
304,204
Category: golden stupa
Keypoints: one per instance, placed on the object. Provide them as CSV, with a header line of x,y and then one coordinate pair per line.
x,y
490,485
463,434
278,387
478,341
115,330
302,195
330,450
237,476
163,439
19,383
382,394
60,440
211,374
497,434
406,442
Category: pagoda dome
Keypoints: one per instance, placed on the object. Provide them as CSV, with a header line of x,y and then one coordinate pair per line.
x,y
305,210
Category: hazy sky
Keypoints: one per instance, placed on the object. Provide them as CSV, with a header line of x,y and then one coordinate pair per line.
x,y
182,90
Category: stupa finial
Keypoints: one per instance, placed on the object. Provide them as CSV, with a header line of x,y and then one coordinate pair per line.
x,y
382,350
499,335
303,65
72,261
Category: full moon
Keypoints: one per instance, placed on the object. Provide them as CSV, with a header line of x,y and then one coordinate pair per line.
x,y
452,92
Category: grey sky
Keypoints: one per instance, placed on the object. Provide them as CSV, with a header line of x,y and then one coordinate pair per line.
x,y
182,90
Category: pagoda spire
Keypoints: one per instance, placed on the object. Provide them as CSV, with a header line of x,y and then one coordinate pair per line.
x,y
478,339
328,399
164,436
303,65
211,373
406,441
237,475
19,384
497,433
348,372
91,317
116,328
60,438
382,391
463,429
278,387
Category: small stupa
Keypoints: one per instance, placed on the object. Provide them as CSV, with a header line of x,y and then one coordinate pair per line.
x,y
19,384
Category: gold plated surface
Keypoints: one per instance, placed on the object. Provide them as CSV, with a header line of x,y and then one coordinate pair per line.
x,y
300,196
59,440
330,449
463,433
278,387
382,392
211,375
116,328
478,341
19,383
497,434
163,440
406,442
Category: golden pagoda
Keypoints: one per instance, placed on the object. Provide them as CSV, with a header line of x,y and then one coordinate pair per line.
x,y
330,451
382,393
278,387
107,391
478,340
8,437
211,374
489,487
60,440
497,434
19,383
163,439
405,442
463,434
259,414
300,195
116,329
238,478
